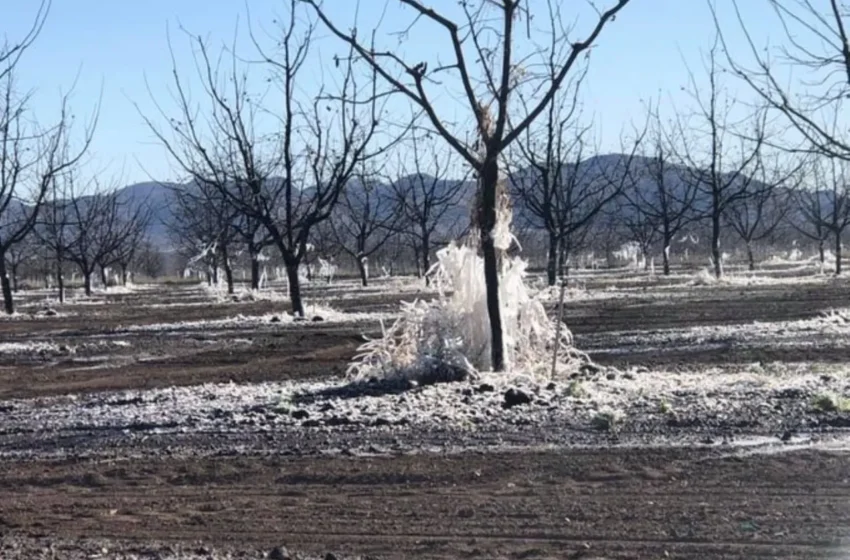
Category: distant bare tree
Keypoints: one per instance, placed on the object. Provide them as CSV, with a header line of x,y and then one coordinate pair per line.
x,y
290,180
203,225
719,160
425,192
485,36
53,229
825,206
757,217
129,234
31,157
364,219
660,194
95,226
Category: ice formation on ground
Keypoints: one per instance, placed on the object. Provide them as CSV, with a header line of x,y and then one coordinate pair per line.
x,y
448,338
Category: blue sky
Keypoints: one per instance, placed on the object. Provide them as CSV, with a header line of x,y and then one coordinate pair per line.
x,y
115,45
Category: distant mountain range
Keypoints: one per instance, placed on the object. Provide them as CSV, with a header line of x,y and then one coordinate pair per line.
x,y
158,195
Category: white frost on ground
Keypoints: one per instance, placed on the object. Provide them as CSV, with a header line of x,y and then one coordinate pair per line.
x,y
281,406
831,328
311,312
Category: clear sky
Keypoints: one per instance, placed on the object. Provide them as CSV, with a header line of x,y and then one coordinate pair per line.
x,y
114,45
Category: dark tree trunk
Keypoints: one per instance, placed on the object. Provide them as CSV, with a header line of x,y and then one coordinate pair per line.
x,y
8,302
60,280
563,261
87,282
552,260
103,279
837,253
665,258
487,222
644,252
123,274
426,258
751,259
417,256
364,276
294,288
715,246
228,270
821,253
255,272
15,278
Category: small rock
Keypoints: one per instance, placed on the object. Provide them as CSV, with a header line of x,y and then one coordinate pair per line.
x,y
50,312
279,553
275,319
300,414
787,435
485,388
466,392
311,423
515,397
317,319
331,556
551,386
629,376
611,376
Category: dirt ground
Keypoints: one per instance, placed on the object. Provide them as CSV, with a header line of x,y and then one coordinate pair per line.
x,y
562,503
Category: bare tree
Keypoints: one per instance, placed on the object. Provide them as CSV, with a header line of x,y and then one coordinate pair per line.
x,y
425,193
825,206
129,235
53,229
204,225
489,65
30,157
289,180
95,226
757,217
660,193
11,53
364,219
817,48
719,160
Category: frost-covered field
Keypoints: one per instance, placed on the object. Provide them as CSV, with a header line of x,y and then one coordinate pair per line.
x,y
185,393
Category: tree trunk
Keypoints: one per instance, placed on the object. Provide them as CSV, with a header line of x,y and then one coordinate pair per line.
x,y
644,252
364,276
751,259
87,282
8,303
60,281
821,254
417,256
228,271
487,222
255,272
103,279
123,274
715,246
837,253
15,278
426,258
563,260
552,260
294,288
665,257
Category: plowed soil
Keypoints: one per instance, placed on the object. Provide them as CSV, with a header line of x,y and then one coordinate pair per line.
x,y
566,503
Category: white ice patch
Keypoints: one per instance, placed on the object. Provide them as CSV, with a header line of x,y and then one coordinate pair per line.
x,y
242,321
